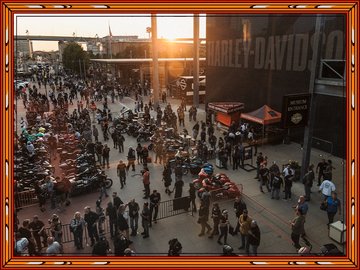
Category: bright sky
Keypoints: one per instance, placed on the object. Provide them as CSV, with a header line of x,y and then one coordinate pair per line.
x,y
169,26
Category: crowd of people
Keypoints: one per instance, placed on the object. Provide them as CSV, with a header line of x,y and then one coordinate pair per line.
x,y
34,238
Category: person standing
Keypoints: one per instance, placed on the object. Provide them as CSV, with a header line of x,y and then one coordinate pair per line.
x,y
146,182
215,215
145,218
139,156
245,223
167,178
259,160
106,156
121,172
328,170
134,216
333,206
224,227
239,207
91,219
327,187
297,228
38,230
308,181
77,225
25,232
121,140
178,188
192,195
54,248
320,170
101,247
254,238
131,159
264,178
276,184
155,199
110,211
123,221
203,218
287,186
116,200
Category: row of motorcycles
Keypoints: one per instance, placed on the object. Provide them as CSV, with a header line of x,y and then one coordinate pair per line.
x,y
83,172
129,123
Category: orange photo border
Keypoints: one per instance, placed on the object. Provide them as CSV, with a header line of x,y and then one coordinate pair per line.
x,y
348,8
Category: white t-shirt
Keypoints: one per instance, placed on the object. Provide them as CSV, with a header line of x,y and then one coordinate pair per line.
x,y
327,187
22,246
53,249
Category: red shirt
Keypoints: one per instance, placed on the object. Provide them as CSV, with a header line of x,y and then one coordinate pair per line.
x,y
146,178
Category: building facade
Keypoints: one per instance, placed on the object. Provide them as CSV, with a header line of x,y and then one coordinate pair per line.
x,y
260,59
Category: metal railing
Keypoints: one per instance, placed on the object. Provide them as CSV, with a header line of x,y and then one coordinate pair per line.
x,y
174,207
26,199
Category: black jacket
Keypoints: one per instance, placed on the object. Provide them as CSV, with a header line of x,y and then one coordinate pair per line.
x,y
254,236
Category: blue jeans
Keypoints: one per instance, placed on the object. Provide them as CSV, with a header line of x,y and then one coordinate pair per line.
x,y
134,223
275,193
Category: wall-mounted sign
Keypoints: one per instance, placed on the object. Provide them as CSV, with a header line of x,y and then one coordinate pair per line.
x,y
295,111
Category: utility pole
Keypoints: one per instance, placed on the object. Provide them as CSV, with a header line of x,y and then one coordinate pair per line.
x,y
308,134
196,61
155,81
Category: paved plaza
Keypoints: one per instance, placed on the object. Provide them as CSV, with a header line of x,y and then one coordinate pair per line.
x,y
272,216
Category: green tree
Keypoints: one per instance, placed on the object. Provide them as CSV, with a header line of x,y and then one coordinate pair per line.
x,y
73,56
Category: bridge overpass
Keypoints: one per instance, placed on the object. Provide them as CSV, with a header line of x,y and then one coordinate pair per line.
x,y
55,38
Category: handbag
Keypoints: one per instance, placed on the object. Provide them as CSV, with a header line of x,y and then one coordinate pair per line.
x,y
323,206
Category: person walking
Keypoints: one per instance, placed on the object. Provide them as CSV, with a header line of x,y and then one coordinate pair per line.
x,y
297,228
134,216
254,238
77,225
224,227
308,181
121,172
146,182
145,220
245,223
203,218
155,199
215,215
333,206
